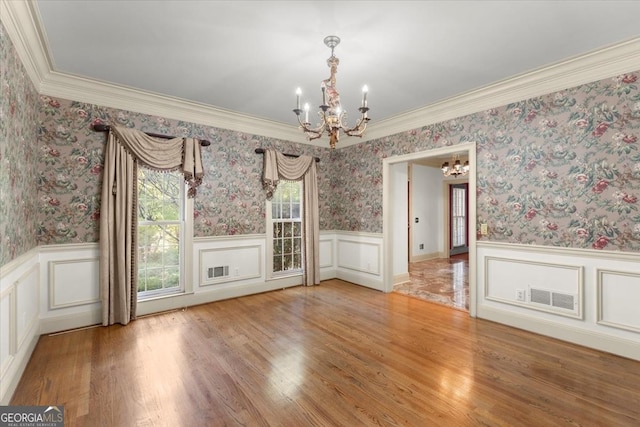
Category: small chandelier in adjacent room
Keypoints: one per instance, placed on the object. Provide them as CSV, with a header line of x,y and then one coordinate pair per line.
x,y
332,117
457,169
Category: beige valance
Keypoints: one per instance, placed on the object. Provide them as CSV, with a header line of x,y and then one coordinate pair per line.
x,y
164,155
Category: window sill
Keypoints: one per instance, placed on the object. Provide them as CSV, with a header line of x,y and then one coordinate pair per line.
x,y
164,296
285,276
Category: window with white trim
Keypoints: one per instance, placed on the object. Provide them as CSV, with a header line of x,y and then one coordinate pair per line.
x,y
163,232
284,230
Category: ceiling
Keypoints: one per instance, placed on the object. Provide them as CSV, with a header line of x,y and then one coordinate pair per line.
x,y
248,57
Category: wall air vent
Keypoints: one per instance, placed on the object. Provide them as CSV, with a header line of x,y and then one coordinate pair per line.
x,y
566,301
541,296
554,299
213,272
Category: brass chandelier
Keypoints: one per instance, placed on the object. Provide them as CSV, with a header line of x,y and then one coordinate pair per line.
x,y
457,169
332,117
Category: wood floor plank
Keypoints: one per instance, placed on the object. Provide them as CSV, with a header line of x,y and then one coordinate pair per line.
x,y
331,355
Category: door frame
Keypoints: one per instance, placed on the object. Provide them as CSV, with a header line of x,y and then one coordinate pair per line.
x,y
388,220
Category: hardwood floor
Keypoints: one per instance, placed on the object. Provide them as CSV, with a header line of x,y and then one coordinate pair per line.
x,y
331,355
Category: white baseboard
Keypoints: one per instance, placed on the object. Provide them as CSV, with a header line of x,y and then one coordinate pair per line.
x,y
591,339
328,274
401,278
427,257
374,282
53,324
212,294
66,322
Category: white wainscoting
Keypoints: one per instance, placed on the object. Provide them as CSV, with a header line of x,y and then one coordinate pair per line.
x,y
619,299
69,293
237,263
55,287
502,275
327,255
606,286
68,286
327,252
19,325
359,258
245,258
63,272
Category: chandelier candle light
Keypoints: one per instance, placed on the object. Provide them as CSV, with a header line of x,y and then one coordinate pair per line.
x,y
332,117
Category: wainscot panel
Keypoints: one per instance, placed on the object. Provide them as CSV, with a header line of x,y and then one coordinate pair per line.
x,y
543,286
19,324
64,272
27,289
359,258
230,264
588,297
69,291
327,255
619,299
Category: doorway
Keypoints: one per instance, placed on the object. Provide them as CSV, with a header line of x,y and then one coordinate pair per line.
x,y
438,235
395,258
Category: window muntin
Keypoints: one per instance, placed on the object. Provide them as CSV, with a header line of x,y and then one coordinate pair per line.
x,y
161,227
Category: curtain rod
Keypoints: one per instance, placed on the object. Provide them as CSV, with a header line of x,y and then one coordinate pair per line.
x,y
106,128
261,151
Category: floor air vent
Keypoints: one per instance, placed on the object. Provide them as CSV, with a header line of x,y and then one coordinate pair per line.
x,y
553,299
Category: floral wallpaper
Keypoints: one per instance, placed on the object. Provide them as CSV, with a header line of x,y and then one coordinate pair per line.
x,y
561,169
70,158
18,161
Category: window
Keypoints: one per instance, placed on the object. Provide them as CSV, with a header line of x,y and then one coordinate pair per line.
x,y
458,200
161,233
284,222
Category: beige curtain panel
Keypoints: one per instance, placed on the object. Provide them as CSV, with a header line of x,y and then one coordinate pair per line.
x,y
125,150
278,166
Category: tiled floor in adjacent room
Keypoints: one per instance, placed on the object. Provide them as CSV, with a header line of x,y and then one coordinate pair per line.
x,y
444,281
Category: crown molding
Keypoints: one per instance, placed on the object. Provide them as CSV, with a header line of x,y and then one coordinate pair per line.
x,y
78,88
23,24
596,65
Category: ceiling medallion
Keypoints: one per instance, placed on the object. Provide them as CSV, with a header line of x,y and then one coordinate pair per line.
x,y
332,117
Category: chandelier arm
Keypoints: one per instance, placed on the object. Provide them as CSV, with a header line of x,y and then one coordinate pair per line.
x,y
360,126
310,132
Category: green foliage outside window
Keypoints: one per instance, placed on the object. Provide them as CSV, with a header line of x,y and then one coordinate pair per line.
x,y
159,230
